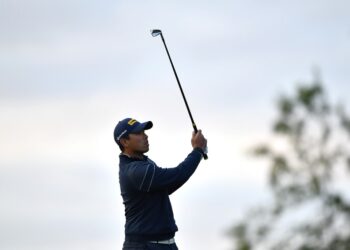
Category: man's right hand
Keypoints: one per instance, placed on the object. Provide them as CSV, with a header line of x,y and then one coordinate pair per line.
x,y
198,140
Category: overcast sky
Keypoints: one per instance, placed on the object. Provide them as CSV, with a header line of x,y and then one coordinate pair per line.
x,y
70,70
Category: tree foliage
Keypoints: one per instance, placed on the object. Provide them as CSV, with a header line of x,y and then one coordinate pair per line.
x,y
307,178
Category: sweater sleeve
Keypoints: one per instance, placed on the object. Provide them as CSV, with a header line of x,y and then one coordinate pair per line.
x,y
148,177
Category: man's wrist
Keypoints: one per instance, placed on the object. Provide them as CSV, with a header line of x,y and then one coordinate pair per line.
x,y
199,149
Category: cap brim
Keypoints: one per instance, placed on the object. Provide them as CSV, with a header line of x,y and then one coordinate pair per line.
x,y
142,126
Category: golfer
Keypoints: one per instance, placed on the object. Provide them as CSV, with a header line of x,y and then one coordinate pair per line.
x,y
145,187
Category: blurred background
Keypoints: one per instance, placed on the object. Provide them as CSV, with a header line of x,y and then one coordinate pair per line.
x,y
70,70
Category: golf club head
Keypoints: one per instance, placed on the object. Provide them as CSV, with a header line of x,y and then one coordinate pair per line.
x,y
155,32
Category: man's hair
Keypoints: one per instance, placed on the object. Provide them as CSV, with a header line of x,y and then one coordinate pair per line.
x,y
120,144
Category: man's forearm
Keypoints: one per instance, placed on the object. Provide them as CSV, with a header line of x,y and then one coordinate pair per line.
x,y
192,156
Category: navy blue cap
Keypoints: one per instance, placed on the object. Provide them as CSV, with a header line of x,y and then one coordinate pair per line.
x,y
129,126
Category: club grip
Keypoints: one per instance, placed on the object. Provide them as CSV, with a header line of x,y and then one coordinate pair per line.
x,y
205,156
204,153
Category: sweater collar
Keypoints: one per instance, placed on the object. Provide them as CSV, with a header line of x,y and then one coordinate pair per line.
x,y
124,157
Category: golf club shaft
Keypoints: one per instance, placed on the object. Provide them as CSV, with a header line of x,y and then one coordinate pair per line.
x,y
182,92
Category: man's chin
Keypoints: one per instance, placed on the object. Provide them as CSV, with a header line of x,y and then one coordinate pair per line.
x,y
145,150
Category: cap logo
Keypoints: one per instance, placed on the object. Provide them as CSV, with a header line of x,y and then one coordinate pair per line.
x,y
131,122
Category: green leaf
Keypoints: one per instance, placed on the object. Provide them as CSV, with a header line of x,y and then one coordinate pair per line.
x,y
239,230
285,105
261,150
344,119
279,167
307,95
282,127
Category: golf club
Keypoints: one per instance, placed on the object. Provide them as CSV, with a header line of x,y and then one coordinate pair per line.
x,y
155,33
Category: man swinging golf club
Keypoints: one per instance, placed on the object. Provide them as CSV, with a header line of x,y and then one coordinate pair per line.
x,y
145,187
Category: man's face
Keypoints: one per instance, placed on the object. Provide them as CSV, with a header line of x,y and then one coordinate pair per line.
x,y
138,142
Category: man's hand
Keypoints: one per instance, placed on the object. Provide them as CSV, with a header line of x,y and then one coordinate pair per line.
x,y
198,140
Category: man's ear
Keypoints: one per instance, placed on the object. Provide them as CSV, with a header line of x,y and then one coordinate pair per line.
x,y
124,142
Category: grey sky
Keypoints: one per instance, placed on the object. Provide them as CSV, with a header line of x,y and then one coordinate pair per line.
x,y
70,70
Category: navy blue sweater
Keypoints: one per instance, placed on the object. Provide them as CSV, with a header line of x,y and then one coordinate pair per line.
x,y
145,189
